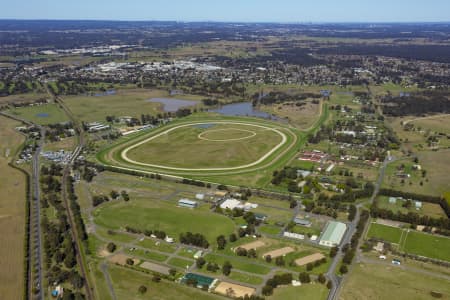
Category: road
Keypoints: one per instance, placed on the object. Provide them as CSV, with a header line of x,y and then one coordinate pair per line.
x,y
36,217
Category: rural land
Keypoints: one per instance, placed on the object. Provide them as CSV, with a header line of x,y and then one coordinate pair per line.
x,y
177,160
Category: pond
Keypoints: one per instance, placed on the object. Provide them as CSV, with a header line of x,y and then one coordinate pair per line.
x,y
105,93
242,109
172,104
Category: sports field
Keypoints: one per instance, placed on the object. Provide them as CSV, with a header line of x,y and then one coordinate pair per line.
x,y
214,145
12,214
306,291
373,281
41,114
413,242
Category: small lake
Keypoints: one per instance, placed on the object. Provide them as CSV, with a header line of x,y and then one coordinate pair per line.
x,y
242,109
172,104
105,93
42,115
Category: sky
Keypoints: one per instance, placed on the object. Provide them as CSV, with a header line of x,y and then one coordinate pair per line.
x,y
231,10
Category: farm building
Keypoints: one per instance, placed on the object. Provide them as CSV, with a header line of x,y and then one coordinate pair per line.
x,y
187,203
333,234
260,217
200,280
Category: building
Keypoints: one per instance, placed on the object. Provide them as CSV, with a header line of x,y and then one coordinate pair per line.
x,y
260,217
230,203
333,234
198,254
418,204
187,203
392,200
301,221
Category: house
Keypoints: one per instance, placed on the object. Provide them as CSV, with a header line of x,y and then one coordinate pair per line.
x,y
333,234
187,203
392,200
301,221
418,204
200,196
303,173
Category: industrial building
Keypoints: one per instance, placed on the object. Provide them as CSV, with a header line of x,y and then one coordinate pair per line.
x,y
333,234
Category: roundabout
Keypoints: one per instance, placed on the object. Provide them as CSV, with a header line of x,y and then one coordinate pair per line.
x,y
206,147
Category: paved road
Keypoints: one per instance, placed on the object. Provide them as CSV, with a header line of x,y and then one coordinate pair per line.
x,y
36,217
104,269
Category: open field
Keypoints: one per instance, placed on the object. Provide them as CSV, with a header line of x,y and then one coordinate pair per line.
x,y
313,291
66,144
153,214
12,213
413,242
301,117
435,183
126,283
126,102
41,114
22,98
220,145
390,282
428,209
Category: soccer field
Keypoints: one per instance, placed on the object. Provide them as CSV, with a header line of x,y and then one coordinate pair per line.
x,y
413,242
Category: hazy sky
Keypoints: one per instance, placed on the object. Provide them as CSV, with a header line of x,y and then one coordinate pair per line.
x,y
231,10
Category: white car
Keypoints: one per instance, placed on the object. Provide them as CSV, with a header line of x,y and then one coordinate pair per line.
x,y
382,257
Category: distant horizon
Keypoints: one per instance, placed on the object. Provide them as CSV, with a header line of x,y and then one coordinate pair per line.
x,y
231,11
231,22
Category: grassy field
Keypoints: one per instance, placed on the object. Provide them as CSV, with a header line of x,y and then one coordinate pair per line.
x,y
126,283
301,117
427,245
411,241
435,183
387,233
222,145
41,114
66,144
307,291
428,209
126,102
12,213
390,282
152,214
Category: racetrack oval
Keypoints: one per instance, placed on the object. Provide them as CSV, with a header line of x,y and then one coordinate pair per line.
x,y
125,157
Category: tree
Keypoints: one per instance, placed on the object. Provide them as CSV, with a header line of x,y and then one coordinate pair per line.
x,y
156,278
200,262
329,284
172,272
142,289
309,267
233,238
321,278
125,195
114,194
111,247
251,253
241,251
304,277
333,251
267,290
268,258
343,269
226,268
221,242
279,261
130,261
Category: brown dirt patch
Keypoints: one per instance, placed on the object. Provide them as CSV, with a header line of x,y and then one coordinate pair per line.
x,y
233,290
253,245
279,252
121,259
309,259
